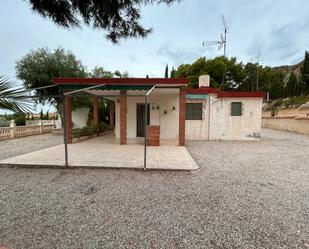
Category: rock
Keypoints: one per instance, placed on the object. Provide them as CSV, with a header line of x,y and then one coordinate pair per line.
x,y
304,106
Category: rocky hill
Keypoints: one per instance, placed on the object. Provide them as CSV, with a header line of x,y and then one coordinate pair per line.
x,y
287,69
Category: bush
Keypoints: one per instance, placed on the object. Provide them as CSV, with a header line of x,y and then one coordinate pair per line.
x,y
20,120
295,101
4,123
104,127
89,130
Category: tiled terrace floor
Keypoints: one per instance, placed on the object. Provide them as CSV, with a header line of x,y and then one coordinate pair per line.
x,y
105,152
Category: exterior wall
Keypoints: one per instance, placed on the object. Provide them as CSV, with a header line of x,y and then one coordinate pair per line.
x,y
167,100
227,127
291,123
222,125
288,111
80,117
198,129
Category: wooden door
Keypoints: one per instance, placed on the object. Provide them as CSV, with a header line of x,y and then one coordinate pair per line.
x,y
140,119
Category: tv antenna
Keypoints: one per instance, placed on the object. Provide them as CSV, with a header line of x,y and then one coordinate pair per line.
x,y
259,60
222,43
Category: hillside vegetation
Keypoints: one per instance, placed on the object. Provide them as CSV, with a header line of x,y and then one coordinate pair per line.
x,y
229,74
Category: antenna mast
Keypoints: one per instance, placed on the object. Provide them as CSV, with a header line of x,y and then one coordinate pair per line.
x,y
222,42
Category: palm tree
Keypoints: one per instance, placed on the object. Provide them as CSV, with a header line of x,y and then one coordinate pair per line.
x,y
13,97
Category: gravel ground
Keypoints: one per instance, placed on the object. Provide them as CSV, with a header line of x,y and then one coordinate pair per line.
x,y
15,147
246,195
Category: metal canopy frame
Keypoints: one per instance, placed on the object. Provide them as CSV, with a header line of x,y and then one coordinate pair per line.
x,y
102,96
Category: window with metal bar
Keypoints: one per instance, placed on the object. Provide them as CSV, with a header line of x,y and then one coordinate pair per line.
x,y
194,111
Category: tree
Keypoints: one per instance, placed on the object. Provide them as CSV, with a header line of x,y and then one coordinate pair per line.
x,y
166,71
99,72
125,74
38,68
305,73
172,75
41,115
292,85
225,73
276,86
13,97
47,115
120,19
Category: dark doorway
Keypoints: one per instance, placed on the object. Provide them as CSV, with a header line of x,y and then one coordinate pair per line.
x,y
140,119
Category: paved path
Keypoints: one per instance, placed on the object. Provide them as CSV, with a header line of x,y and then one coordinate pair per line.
x,y
245,195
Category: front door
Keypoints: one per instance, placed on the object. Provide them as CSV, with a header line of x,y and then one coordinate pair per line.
x,y
140,119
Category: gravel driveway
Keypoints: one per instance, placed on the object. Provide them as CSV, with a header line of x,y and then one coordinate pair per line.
x,y
18,146
246,195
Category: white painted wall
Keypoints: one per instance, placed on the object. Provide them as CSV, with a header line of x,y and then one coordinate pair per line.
x,y
198,129
80,117
227,127
166,99
223,126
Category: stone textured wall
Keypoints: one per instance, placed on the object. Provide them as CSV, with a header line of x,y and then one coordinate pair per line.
x,y
223,126
287,123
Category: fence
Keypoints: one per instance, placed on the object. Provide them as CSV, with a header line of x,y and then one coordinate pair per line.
x,y
22,131
298,124
38,122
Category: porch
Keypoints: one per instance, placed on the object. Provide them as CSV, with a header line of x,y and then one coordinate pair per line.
x,y
106,152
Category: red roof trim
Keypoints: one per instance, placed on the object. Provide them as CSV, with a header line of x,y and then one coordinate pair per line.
x,y
202,90
241,95
225,94
120,81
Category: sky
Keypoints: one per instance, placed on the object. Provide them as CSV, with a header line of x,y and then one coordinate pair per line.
x,y
278,29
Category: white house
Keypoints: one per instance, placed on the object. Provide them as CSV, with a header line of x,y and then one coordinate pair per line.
x,y
212,114
174,112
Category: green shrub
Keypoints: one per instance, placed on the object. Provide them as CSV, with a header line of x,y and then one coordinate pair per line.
x,y
295,101
4,123
104,127
20,120
89,130
277,102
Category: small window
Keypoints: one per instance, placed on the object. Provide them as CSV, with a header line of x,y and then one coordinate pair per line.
x,y
194,111
236,109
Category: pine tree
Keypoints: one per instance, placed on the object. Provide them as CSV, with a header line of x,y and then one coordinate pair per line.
x,y
120,19
173,71
166,71
147,76
41,115
305,73
276,87
291,85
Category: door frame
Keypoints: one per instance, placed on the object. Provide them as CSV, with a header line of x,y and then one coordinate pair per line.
x,y
143,119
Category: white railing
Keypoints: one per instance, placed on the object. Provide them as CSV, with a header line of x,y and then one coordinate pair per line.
x,y
5,133
39,121
23,131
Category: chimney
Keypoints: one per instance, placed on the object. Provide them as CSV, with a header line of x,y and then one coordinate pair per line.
x,y
203,81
